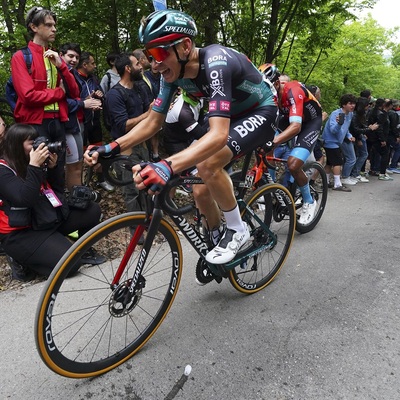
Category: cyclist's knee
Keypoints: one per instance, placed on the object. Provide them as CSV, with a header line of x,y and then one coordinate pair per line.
x,y
214,164
294,164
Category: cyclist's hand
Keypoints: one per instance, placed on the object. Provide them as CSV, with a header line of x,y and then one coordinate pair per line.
x,y
268,147
153,176
106,151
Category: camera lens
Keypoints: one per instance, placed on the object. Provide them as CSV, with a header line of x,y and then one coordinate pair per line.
x,y
56,147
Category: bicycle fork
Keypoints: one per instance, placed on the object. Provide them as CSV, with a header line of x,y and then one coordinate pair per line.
x,y
126,293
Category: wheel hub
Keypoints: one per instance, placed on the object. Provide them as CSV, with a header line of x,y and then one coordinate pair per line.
x,y
123,301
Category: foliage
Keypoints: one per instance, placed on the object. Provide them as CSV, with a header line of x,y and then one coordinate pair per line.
x,y
318,41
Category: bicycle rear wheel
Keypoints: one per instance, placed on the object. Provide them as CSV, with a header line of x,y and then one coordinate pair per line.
x,y
273,205
319,191
82,326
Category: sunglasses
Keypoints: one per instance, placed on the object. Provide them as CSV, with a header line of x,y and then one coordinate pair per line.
x,y
160,53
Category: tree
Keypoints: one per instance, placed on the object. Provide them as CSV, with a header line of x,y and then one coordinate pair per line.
x,y
313,41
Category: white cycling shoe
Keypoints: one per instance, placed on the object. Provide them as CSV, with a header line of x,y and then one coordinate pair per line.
x,y
307,213
228,246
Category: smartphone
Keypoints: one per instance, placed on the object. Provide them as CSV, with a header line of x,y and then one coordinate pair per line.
x,y
341,119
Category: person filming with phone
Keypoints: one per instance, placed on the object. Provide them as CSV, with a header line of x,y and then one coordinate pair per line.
x,y
335,132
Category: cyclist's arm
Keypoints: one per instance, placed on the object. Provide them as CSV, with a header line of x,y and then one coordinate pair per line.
x,y
144,130
290,132
213,141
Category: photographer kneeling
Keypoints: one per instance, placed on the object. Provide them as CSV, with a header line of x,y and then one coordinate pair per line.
x,y
34,215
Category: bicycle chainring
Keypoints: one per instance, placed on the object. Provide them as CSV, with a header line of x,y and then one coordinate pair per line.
x,y
203,273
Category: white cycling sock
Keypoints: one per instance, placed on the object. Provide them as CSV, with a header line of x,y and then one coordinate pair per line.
x,y
337,182
234,220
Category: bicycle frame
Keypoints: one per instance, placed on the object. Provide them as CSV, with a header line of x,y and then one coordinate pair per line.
x,y
156,212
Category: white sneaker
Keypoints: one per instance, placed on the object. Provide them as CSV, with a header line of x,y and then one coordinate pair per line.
x,y
228,246
106,186
348,182
362,179
307,213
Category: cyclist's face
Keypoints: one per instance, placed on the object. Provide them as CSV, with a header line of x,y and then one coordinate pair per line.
x,y
170,68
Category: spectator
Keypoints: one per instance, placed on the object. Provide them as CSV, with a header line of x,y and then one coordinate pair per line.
x,y
366,93
127,105
393,137
150,83
42,94
70,53
90,88
26,182
379,138
360,130
334,132
348,152
111,77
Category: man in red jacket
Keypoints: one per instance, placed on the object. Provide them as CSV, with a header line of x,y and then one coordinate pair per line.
x,y
42,92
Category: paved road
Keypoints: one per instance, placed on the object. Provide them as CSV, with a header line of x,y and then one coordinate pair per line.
x,y
327,328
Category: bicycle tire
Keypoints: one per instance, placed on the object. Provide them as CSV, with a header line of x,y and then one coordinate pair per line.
x,y
274,205
80,329
319,191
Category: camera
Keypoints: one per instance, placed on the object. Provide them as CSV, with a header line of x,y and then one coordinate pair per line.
x,y
54,147
81,196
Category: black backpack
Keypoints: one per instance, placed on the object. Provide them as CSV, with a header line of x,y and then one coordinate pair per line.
x,y
11,94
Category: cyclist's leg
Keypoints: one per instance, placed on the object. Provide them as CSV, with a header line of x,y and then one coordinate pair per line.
x,y
283,152
245,134
304,146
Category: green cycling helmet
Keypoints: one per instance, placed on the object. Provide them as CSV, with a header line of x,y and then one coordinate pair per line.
x,y
166,26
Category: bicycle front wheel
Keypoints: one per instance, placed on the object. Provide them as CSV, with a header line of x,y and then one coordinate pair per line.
x,y
85,326
273,205
319,191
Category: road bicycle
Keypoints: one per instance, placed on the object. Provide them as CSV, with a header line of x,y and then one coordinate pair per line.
x,y
261,173
91,323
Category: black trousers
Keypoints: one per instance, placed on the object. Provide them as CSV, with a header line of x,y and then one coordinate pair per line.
x,y
42,250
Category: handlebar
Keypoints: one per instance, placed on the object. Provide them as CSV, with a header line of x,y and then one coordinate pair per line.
x,y
112,169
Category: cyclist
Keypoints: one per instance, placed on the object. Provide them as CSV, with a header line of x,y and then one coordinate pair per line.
x,y
242,115
302,119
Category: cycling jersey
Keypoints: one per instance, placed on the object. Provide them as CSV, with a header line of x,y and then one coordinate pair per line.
x,y
297,104
236,90
227,78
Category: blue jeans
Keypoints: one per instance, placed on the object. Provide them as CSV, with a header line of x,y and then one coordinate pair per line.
x,y
361,152
283,151
395,146
349,158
